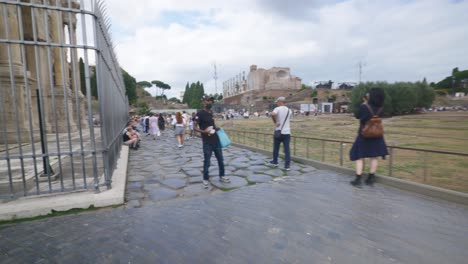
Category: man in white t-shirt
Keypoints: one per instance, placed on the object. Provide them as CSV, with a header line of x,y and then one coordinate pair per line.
x,y
281,116
186,118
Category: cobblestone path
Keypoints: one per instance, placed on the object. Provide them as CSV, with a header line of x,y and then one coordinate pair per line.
x,y
301,216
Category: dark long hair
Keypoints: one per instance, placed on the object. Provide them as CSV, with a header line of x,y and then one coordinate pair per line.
x,y
376,96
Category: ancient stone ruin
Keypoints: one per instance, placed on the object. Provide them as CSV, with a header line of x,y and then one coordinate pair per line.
x,y
35,60
260,84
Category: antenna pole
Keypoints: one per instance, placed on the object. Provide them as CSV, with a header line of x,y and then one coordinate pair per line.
x,y
215,77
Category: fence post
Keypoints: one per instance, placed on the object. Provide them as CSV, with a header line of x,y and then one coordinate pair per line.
x,y
341,153
307,148
323,150
256,140
390,161
264,141
425,166
294,146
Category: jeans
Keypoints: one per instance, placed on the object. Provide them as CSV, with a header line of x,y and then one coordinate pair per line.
x,y
208,148
287,154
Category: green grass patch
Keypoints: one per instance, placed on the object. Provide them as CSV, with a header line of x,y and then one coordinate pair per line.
x,y
445,131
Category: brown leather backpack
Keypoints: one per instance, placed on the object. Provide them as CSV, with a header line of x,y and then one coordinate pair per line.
x,y
373,127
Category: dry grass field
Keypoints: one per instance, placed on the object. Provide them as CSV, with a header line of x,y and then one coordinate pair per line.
x,y
439,131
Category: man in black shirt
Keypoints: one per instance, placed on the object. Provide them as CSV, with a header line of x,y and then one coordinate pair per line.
x,y
204,123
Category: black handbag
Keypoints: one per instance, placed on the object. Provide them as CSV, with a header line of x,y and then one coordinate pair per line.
x,y
277,134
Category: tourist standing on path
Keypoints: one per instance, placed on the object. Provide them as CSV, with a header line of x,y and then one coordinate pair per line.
x,y
281,116
192,119
161,123
204,123
368,147
186,118
179,124
143,124
153,126
147,124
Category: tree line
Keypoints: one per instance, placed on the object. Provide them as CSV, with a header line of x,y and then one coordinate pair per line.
x,y
400,98
454,83
129,82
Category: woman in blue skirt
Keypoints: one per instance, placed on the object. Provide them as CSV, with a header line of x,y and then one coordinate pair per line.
x,y
368,147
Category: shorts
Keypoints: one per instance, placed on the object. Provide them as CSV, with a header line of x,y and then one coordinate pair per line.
x,y
179,130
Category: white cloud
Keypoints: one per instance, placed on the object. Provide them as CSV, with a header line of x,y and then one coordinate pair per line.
x,y
322,40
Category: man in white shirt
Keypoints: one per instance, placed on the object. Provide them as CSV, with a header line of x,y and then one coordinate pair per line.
x,y
186,118
281,116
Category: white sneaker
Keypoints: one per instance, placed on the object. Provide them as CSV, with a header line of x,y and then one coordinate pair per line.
x,y
206,184
224,179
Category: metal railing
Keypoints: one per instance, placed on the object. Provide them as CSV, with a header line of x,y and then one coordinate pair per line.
x,y
59,78
443,169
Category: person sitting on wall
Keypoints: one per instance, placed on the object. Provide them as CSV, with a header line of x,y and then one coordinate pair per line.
x,y
131,139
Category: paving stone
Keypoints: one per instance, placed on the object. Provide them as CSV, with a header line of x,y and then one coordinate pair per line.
x,y
196,190
294,173
161,193
133,204
215,171
308,169
136,178
192,172
241,160
174,183
236,182
159,172
152,186
181,161
191,165
239,165
166,162
150,167
198,179
133,186
274,172
295,166
257,162
259,178
153,180
258,168
230,168
247,173
180,175
134,196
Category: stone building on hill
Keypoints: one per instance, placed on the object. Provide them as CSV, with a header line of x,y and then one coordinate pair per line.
x,y
259,85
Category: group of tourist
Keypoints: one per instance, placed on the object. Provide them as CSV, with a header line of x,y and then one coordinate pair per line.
x,y
363,147
154,125
204,123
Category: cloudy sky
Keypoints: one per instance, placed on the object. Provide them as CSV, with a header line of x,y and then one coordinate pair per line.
x,y
178,41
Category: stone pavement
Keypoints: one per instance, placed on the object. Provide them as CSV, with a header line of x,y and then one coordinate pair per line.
x,y
302,216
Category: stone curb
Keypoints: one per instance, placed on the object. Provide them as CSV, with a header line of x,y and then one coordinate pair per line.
x,y
32,206
436,192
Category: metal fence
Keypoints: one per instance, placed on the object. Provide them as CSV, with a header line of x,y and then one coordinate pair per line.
x,y
62,99
443,169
